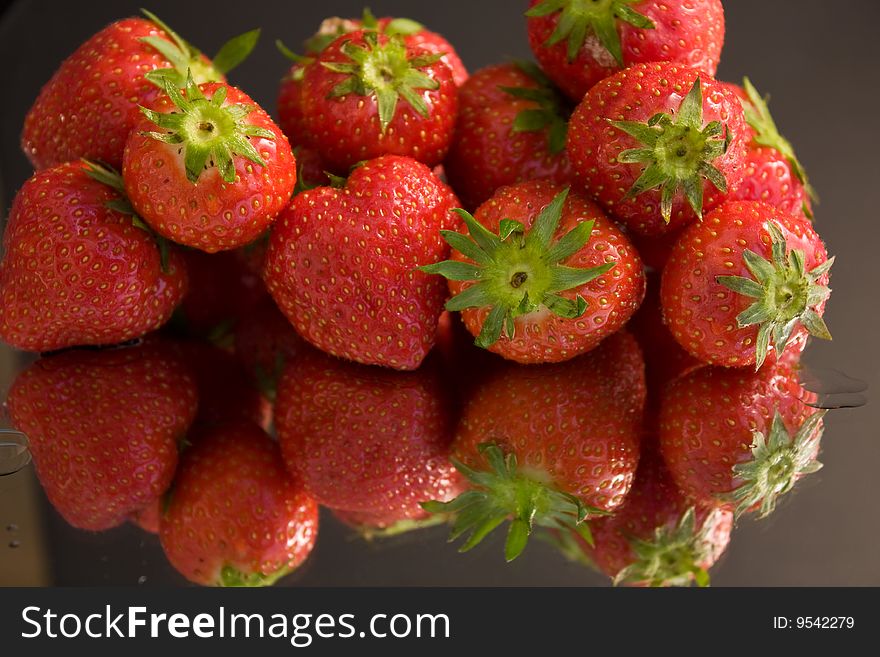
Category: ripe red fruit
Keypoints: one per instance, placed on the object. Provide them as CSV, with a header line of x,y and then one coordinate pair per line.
x,y
773,173
658,537
737,438
414,35
365,439
580,43
79,268
544,276
656,149
511,128
207,167
90,104
747,278
549,445
235,517
104,428
342,263
368,94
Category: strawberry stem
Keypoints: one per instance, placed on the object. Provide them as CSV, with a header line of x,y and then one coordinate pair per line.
x,y
778,461
210,131
506,493
785,295
582,18
517,272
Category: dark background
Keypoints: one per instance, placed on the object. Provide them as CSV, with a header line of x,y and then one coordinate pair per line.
x,y
819,59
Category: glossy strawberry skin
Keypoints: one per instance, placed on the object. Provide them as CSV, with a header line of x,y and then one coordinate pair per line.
x,y
612,298
654,502
637,94
75,272
576,425
104,428
346,130
487,153
700,312
708,418
768,178
690,33
234,505
210,215
90,104
341,263
366,439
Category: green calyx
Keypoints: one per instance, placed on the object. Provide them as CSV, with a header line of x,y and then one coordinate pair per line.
x,y
209,132
186,59
517,272
785,294
507,493
677,151
385,71
400,527
232,577
767,134
673,556
333,28
580,18
778,461
108,176
552,112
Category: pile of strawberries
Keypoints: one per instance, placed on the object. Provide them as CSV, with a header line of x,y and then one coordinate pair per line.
x,y
248,321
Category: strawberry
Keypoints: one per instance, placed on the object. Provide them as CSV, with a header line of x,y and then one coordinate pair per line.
x,y
414,35
365,439
748,277
740,439
773,172
90,104
657,144
511,128
544,276
104,428
207,167
579,43
341,263
368,94
658,538
550,445
79,268
148,517
235,517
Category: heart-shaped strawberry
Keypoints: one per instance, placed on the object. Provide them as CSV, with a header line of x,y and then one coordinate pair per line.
x,y
342,262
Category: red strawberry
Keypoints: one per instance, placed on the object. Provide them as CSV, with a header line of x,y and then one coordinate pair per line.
x,y
103,428
341,263
235,517
544,276
79,269
264,342
658,538
549,445
741,439
748,277
773,173
366,439
149,516
511,128
222,290
414,35
208,167
368,94
91,103
580,43
655,148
